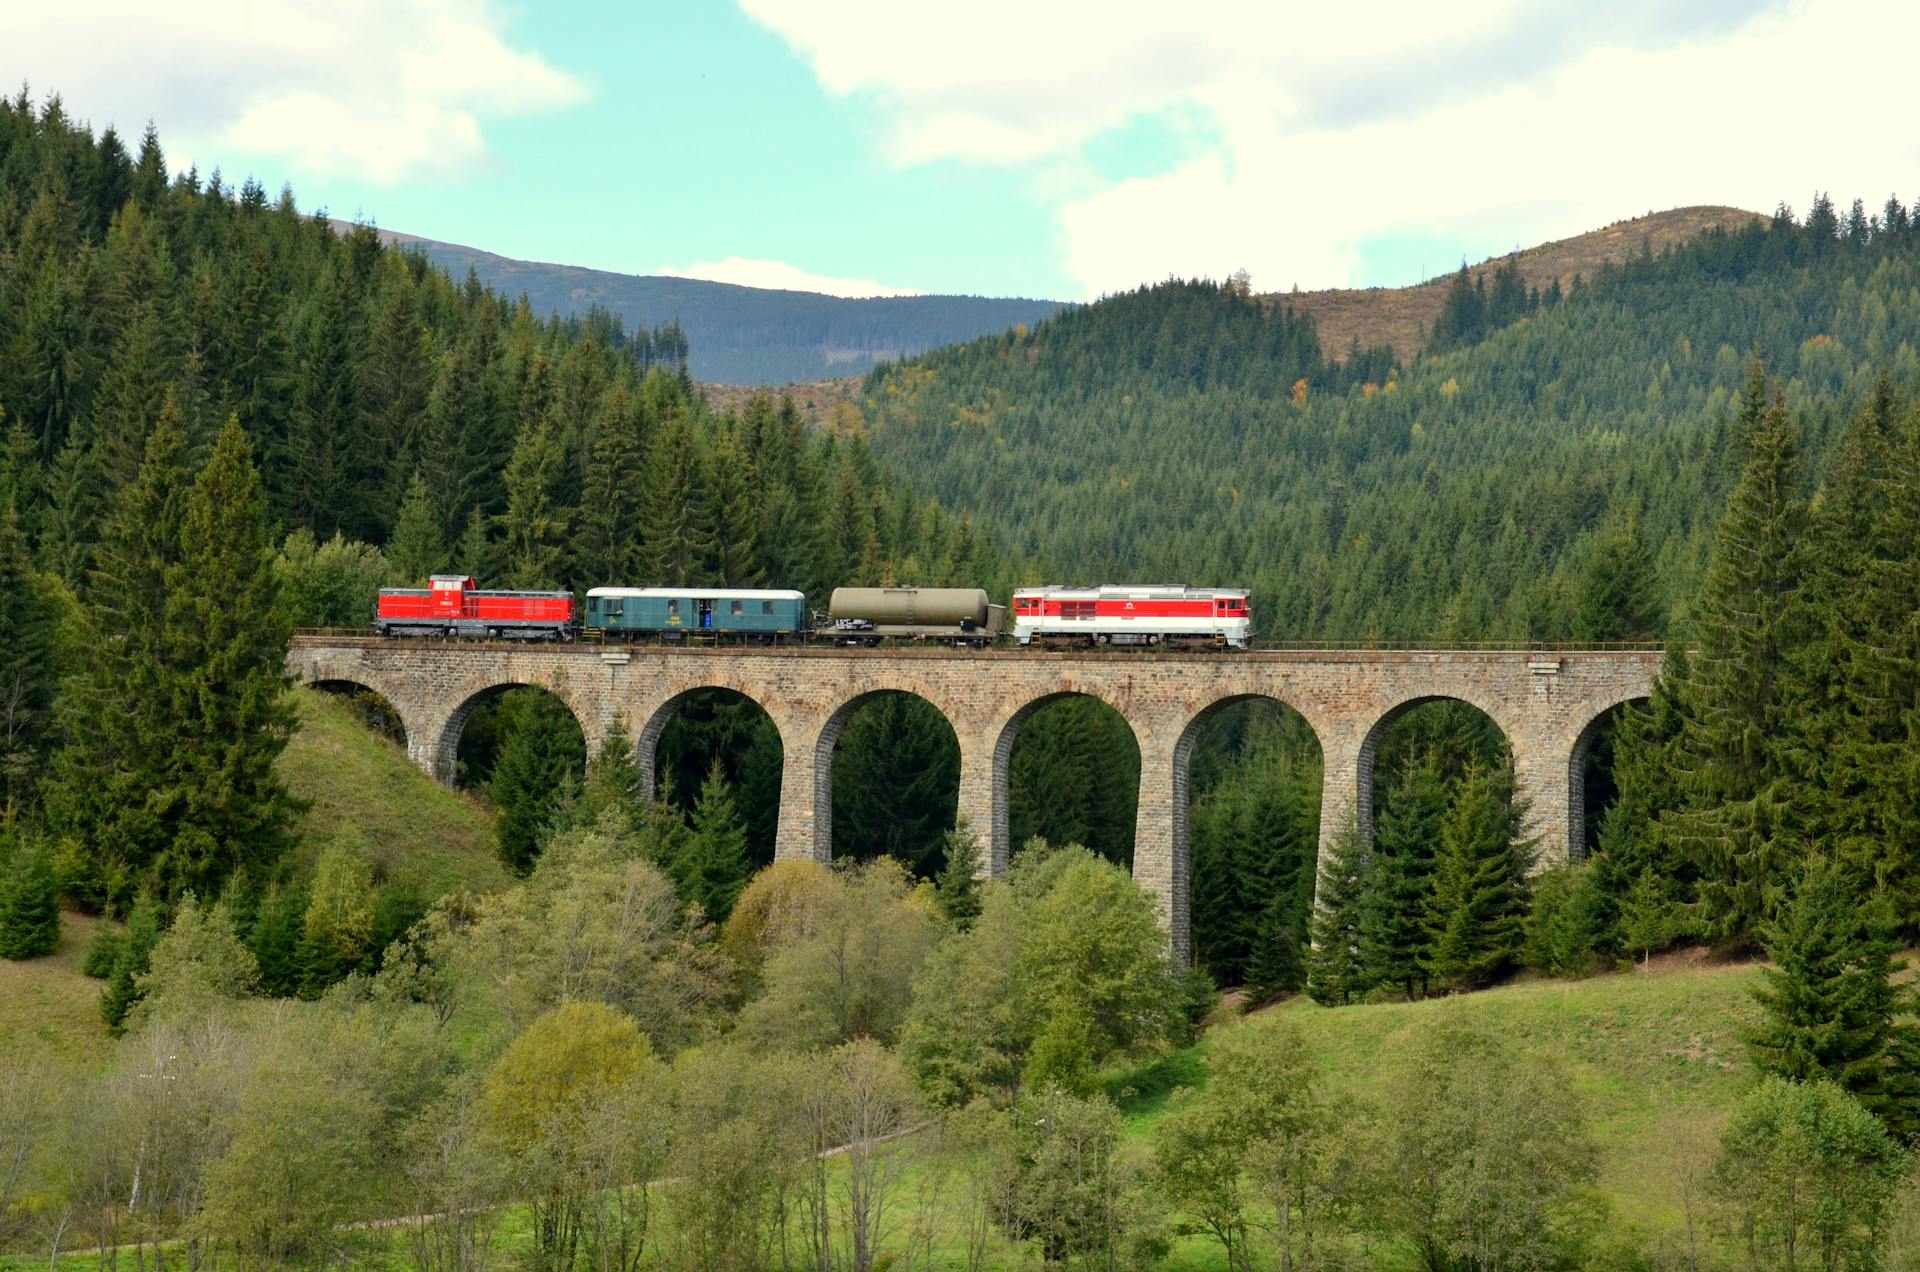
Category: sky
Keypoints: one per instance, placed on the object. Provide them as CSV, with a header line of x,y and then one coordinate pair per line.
x,y
1047,148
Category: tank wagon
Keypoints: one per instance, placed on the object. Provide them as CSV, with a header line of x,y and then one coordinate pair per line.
x,y
680,613
1133,614
450,605
954,615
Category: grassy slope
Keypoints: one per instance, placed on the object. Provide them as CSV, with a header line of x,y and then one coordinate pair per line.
x,y
363,789
1656,1057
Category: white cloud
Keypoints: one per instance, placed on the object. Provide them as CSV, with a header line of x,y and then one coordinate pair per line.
x,y
1332,127
388,90
780,276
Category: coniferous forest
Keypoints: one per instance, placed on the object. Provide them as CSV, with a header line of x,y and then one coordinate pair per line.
x,y
634,1041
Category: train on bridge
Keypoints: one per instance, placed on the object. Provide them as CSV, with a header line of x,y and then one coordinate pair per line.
x,y
1136,615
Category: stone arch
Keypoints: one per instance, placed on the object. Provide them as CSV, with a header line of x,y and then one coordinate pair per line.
x,y
828,738
998,848
444,735
1362,795
1179,868
646,741
395,722
656,712
1576,745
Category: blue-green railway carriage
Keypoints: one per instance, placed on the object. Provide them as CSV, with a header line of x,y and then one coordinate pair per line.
x,y
678,613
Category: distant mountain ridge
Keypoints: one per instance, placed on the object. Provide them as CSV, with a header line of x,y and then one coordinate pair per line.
x,y
745,335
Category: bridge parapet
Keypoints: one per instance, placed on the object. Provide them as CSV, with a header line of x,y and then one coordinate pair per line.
x,y
1546,701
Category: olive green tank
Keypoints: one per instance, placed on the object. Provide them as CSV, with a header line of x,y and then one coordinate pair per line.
x,y
961,608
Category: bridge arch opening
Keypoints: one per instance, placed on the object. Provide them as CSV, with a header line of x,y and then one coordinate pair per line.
x,y
888,775
1592,786
692,732
368,705
1066,768
521,747
1246,819
1426,765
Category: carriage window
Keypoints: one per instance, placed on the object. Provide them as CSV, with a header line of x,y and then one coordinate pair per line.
x,y
766,607
735,608
673,607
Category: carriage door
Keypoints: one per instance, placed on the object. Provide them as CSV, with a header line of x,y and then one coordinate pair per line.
x,y
706,614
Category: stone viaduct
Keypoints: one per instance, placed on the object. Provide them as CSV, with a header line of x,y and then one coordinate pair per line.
x,y
1548,703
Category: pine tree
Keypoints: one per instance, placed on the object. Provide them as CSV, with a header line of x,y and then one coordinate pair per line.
x,y
418,547
29,907
1335,972
712,865
1478,900
27,673
1739,714
1832,1005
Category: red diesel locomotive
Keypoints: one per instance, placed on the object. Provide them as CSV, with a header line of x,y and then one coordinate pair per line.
x,y
450,605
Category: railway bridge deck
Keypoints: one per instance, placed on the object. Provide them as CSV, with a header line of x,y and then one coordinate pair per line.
x,y
1548,702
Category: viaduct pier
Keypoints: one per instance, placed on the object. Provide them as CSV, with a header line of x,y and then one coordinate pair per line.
x,y
1549,703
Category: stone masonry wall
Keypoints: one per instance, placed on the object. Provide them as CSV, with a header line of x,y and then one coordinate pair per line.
x,y
1548,704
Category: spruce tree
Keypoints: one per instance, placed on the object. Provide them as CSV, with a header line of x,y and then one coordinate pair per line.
x,y
534,529
27,673
1614,599
538,752
1335,972
223,683
1394,927
614,782
735,515
607,545
317,468
1474,913
418,548
1832,1007
1739,713
676,513
956,889
276,941
110,791
712,865
1872,761
29,907
144,926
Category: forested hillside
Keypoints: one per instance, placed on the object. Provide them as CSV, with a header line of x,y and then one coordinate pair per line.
x,y
742,335
1184,432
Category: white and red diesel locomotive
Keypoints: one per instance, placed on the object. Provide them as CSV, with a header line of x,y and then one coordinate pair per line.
x,y
1133,614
